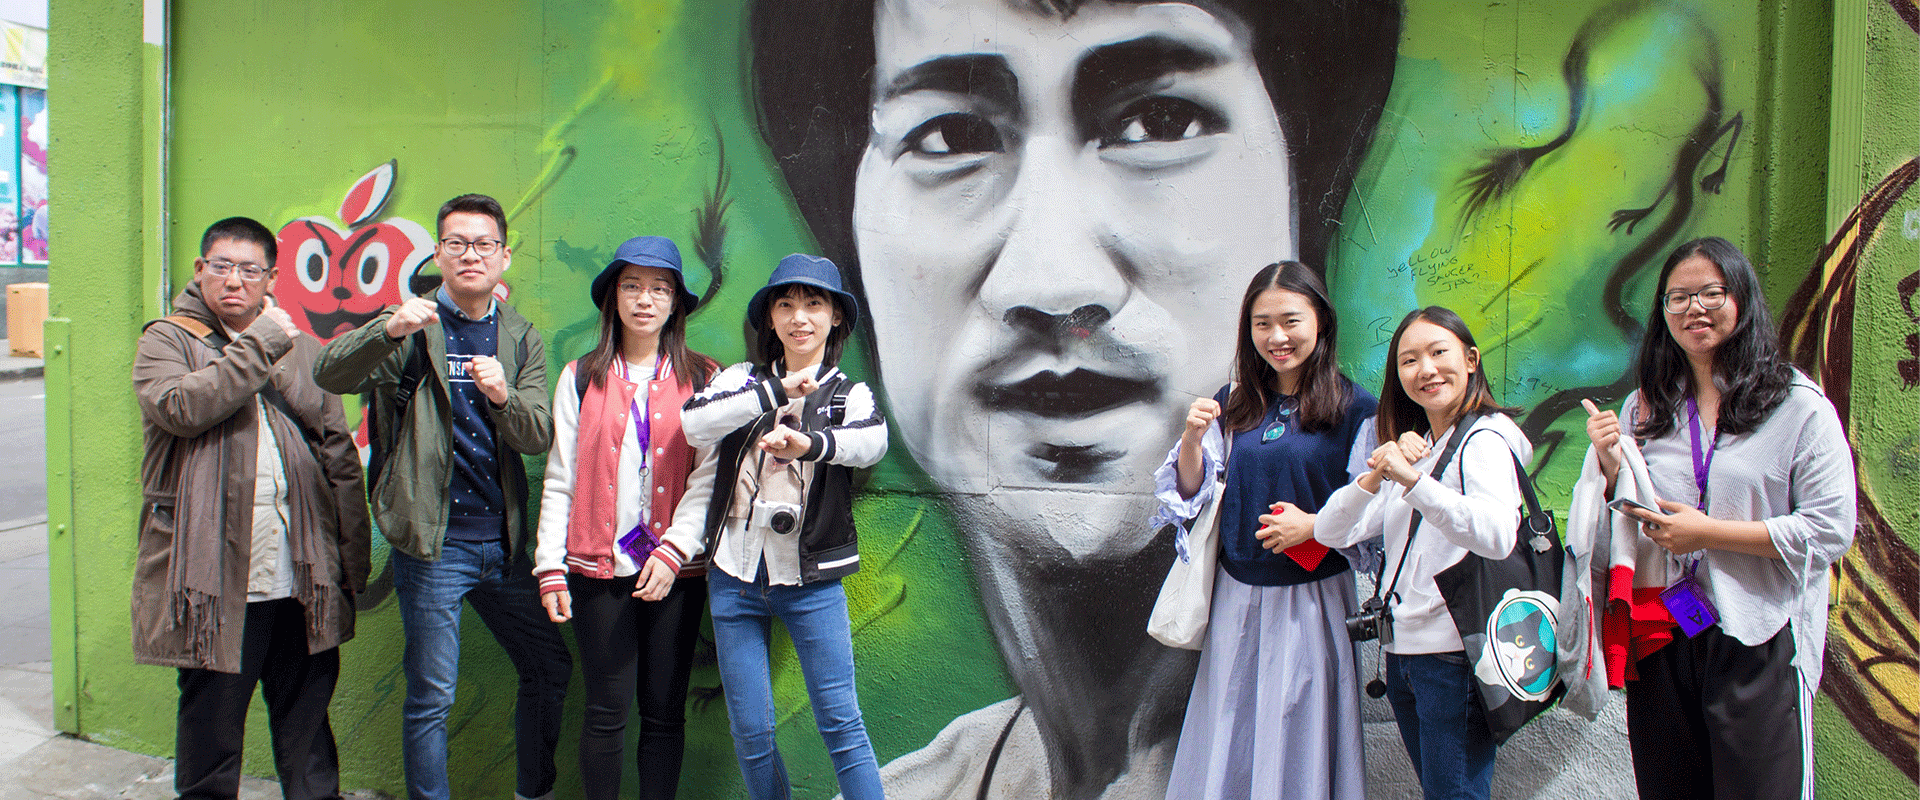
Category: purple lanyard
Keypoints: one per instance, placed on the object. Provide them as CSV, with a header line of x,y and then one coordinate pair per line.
x,y
1701,465
642,426
639,543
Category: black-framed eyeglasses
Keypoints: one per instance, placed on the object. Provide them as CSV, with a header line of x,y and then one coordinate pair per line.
x,y
458,247
249,272
1711,297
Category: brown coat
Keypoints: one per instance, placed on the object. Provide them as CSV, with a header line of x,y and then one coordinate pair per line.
x,y
199,415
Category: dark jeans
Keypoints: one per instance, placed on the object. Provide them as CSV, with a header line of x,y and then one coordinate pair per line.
x,y
1443,724
505,596
212,725
1711,717
616,632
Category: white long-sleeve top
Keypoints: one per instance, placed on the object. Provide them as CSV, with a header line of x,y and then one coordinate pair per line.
x,y
1478,515
687,531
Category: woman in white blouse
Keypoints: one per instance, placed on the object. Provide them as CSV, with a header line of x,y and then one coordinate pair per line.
x,y
1749,467
1434,383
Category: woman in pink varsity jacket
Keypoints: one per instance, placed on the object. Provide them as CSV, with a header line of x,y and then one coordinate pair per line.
x,y
623,515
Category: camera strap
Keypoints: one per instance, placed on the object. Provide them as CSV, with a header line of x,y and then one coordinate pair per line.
x,y
1460,428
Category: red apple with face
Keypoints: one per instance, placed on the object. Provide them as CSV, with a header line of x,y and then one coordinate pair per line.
x,y
333,280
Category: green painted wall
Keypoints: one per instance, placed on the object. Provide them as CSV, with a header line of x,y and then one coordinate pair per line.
x,y
598,121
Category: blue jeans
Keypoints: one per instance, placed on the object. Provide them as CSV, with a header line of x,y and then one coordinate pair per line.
x,y
1443,724
816,617
504,594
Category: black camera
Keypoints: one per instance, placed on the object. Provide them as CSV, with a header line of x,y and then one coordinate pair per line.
x,y
1373,621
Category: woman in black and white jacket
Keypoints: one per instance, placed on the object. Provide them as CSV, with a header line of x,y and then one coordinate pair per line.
x,y
791,429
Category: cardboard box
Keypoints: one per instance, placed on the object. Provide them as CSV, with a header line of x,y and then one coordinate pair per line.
x,y
26,316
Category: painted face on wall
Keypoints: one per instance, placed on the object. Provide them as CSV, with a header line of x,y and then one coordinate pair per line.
x,y
1051,217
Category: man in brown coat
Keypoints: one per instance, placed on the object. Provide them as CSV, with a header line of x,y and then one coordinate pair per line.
x,y
254,532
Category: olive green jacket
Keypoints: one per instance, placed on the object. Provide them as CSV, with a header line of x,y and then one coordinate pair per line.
x,y
410,502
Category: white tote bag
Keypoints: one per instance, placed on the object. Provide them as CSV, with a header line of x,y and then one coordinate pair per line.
x,y
1179,616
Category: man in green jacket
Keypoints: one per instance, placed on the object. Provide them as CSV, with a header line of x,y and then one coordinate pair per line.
x,y
459,389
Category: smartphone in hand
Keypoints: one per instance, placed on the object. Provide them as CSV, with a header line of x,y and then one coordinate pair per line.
x,y
1623,504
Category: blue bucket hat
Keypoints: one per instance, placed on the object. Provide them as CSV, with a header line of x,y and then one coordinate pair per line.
x,y
809,270
645,251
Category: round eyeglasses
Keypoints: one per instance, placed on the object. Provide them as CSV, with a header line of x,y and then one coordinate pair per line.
x,y
1711,297
660,292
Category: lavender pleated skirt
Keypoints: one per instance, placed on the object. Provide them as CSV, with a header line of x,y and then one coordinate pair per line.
x,y
1275,710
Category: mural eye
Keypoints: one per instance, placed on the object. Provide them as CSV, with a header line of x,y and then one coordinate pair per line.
x,y
310,263
954,134
371,269
1160,119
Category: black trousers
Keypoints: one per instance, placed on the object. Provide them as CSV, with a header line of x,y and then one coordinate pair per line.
x,y
1710,717
616,632
212,725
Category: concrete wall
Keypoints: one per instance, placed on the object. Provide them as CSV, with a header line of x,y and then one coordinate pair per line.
x,y
985,565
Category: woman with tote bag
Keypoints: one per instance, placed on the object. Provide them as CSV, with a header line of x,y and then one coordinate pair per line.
x,y
1275,708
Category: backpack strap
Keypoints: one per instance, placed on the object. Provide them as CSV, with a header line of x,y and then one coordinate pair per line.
x,y
384,424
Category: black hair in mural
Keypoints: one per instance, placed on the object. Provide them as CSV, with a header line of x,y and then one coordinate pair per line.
x,y
1327,65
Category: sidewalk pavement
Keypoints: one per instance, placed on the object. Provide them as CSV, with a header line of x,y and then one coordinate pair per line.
x,y
13,368
36,761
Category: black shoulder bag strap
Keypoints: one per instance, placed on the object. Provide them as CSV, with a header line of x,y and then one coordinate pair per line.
x,y
1539,544
1460,430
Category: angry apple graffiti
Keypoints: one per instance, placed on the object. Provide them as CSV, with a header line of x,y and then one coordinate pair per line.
x,y
333,280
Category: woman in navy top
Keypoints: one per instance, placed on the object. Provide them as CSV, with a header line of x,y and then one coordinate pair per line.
x,y
1277,697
